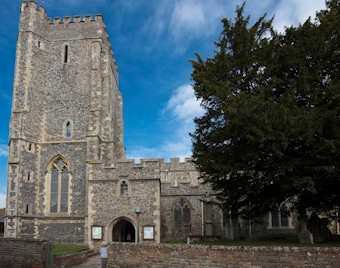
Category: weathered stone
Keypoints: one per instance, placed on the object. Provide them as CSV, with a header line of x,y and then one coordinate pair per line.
x,y
67,109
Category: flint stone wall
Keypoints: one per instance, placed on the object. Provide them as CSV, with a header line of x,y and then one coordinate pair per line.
x,y
165,255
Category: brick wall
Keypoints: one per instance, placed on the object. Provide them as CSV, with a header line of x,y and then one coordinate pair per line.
x,y
165,255
25,253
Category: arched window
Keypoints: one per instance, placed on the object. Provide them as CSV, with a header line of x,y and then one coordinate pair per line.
x,y
59,186
68,132
182,214
124,188
280,217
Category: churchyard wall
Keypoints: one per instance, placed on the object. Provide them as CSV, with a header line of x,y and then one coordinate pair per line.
x,y
25,253
166,255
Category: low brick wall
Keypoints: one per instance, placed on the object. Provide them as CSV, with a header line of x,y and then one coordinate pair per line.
x,y
73,259
25,253
165,255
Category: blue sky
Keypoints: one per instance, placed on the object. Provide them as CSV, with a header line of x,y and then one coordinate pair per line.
x,y
153,41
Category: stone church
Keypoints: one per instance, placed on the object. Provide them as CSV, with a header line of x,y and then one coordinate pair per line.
x,y
68,178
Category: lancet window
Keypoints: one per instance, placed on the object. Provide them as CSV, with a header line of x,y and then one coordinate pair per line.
x,y
124,188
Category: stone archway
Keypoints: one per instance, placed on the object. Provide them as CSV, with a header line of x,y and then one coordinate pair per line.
x,y
123,231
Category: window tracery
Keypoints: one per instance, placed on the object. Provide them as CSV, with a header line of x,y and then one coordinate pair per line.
x,y
279,217
59,187
182,213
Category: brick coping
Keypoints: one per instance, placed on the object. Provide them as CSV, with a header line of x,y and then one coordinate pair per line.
x,y
231,248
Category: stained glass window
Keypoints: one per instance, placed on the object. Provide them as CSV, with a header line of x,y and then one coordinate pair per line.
x,y
182,213
54,190
178,216
284,217
64,191
280,217
60,177
186,215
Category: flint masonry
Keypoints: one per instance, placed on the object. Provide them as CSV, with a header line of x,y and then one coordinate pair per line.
x,y
67,171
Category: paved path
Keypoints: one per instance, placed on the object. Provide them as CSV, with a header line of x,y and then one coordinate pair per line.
x,y
93,262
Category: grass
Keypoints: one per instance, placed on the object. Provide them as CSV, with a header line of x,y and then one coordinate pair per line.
x,y
281,241
65,249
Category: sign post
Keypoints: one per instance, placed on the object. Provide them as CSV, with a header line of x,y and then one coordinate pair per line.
x,y
137,211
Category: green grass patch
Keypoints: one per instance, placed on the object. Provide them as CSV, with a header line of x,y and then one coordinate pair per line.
x,y
66,249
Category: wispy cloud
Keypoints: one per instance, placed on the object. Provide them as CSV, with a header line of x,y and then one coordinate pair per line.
x,y
292,12
157,23
165,150
48,3
196,18
183,104
181,108
3,150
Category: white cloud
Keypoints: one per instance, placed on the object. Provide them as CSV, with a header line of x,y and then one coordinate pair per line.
x,y
3,150
183,104
181,109
180,149
2,200
292,12
196,18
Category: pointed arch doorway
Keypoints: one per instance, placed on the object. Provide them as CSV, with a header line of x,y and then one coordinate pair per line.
x,y
123,231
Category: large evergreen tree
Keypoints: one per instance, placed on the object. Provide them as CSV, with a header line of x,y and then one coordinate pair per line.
x,y
271,128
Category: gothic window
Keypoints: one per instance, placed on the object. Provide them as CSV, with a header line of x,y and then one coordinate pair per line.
x,y
182,214
59,186
123,188
178,216
186,214
279,217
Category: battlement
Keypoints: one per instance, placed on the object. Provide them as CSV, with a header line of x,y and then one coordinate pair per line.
x,y
152,162
33,4
76,19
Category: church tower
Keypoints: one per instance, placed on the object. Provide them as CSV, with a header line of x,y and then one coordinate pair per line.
x,y
66,119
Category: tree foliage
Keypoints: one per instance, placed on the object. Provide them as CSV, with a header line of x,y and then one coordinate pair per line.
x,y
271,128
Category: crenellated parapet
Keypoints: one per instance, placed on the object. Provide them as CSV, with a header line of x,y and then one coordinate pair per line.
x,y
156,162
26,5
174,172
76,19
